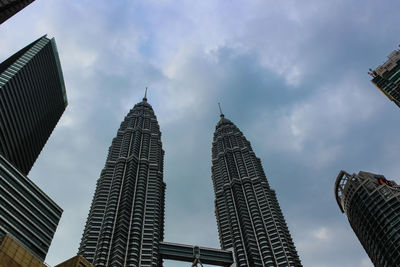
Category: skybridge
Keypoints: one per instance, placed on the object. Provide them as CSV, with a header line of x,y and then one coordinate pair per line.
x,y
195,254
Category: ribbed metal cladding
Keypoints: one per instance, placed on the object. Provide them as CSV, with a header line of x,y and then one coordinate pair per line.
x,y
32,100
26,212
249,218
126,219
372,206
9,8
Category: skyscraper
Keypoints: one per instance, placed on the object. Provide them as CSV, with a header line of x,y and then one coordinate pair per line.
x,y
387,77
32,100
9,8
126,219
372,205
250,221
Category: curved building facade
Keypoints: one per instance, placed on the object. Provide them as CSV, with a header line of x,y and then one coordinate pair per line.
x,y
250,221
126,220
372,205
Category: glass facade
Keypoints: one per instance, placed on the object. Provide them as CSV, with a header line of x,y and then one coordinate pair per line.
x,y
9,8
32,100
372,206
387,77
26,212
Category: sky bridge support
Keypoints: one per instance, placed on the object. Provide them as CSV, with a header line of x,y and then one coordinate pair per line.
x,y
195,254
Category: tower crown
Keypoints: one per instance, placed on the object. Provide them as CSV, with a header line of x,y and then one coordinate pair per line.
x,y
223,120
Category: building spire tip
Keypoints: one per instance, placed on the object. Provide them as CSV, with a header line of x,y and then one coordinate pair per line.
x,y
145,95
220,110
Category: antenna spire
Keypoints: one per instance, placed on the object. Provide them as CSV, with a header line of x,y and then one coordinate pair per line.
x,y
145,95
220,110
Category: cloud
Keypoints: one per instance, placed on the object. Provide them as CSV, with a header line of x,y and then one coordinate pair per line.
x,y
322,234
291,75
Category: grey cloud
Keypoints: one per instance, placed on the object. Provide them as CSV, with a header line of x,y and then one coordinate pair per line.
x,y
291,76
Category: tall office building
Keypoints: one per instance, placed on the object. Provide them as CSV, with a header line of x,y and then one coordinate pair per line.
x,y
126,219
250,221
32,100
9,8
372,205
387,77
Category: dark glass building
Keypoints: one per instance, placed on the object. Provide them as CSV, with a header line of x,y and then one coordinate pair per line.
x,y
26,212
250,221
387,77
126,219
372,205
9,8
32,100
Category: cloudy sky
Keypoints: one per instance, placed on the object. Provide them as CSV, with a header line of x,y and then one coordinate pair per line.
x,y
291,74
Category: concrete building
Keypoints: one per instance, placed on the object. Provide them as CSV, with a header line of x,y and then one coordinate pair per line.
x,y
32,100
250,221
77,261
372,205
386,77
9,8
126,220
15,254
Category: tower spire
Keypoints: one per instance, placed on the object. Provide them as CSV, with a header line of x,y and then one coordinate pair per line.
x,y
145,95
220,110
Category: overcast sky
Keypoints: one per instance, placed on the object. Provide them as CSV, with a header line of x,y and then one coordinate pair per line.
x,y
292,75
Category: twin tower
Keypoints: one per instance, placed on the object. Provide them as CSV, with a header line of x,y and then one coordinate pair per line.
x,y
125,225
